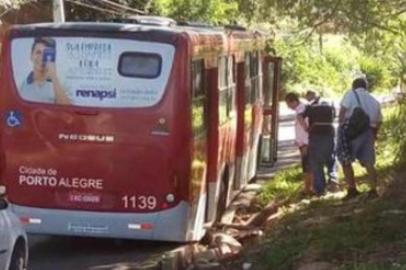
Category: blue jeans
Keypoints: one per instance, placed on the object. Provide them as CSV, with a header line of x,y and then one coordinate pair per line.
x,y
321,150
332,169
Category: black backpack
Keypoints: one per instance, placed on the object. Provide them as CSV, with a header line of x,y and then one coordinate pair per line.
x,y
359,121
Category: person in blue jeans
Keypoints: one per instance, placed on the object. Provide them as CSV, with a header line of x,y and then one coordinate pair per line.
x,y
332,165
321,141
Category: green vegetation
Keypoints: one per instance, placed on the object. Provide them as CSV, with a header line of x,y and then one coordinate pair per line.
x,y
284,185
355,235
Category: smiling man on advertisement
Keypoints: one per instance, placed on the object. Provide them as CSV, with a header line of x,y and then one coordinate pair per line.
x,y
42,83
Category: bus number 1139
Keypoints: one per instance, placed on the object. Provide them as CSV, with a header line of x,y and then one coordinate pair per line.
x,y
139,202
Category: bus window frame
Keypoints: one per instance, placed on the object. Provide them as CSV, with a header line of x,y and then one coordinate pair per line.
x,y
227,91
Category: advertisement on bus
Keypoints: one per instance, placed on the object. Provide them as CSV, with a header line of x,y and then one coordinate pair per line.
x,y
91,72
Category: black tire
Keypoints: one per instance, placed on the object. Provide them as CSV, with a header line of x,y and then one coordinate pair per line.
x,y
18,258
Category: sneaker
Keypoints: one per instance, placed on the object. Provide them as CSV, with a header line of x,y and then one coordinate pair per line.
x,y
351,194
372,194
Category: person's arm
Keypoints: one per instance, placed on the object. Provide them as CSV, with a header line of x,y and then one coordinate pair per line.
x,y
345,105
302,122
341,115
60,95
301,118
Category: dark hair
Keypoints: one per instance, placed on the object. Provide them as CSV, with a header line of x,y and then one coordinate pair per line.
x,y
359,83
311,92
291,97
48,42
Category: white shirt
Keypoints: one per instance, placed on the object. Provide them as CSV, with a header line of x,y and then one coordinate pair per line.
x,y
368,103
301,135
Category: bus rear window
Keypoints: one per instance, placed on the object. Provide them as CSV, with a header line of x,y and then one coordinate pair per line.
x,y
90,71
140,65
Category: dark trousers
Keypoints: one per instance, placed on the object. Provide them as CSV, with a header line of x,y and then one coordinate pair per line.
x,y
321,150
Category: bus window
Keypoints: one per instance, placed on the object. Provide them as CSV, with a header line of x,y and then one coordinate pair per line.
x,y
199,98
254,74
231,85
223,89
140,65
248,87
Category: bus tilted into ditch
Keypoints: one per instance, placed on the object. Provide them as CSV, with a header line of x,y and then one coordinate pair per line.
x,y
135,131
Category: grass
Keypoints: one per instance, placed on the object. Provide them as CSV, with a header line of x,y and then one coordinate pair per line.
x,y
356,235
285,184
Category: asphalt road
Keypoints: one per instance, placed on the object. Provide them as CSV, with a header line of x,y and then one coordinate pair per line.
x,y
70,253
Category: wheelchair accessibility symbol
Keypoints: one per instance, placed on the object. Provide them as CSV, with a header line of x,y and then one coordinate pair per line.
x,y
13,119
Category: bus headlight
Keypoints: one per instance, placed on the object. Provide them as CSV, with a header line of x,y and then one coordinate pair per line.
x,y
170,198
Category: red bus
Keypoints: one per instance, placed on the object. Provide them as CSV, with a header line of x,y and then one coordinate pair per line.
x,y
132,130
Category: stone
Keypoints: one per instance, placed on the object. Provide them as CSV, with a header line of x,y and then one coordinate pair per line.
x,y
206,256
253,187
170,261
223,239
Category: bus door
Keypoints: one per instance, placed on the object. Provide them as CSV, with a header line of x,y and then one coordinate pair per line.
x,y
269,143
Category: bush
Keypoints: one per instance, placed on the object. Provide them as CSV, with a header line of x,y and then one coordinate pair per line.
x,y
378,73
305,67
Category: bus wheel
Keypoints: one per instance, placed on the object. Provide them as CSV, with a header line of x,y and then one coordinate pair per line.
x,y
222,202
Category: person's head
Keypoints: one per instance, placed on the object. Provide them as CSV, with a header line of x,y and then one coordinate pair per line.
x,y
360,83
292,100
37,52
311,95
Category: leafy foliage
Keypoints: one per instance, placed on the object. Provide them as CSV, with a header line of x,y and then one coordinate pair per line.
x,y
212,11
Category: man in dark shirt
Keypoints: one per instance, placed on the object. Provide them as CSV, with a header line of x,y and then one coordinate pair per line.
x,y
313,98
321,140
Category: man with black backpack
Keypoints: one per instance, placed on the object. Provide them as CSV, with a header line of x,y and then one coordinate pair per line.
x,y
360,118
320,116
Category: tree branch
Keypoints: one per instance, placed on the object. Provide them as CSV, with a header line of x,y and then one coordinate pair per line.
x,y
320,23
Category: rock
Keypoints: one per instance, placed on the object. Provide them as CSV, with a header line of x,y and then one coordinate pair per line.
x,y
222,239
318,266
170,261
255,234
260,218
225,250
186,253
253,187
246,266
229,214
207,256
